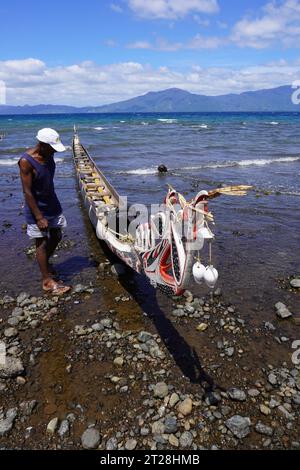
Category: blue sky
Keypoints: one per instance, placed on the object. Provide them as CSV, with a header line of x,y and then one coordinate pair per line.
x,y
100,51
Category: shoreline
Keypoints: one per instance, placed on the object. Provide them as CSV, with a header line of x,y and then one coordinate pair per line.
x,y
146,373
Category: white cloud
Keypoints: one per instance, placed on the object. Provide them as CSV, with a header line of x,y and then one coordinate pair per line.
x,y
205,42
139,45
116,8
278,23
197,42
201,21
171,9
110,43
32,81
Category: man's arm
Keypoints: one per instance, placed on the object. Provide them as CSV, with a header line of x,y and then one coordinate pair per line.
x,y
26,174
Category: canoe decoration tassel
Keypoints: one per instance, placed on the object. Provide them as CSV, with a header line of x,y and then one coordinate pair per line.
x,y
162,248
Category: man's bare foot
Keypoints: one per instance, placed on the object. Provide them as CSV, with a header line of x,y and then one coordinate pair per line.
x,y
56,288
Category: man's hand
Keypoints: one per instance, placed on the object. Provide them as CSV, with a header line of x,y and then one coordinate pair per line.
x,y
42,224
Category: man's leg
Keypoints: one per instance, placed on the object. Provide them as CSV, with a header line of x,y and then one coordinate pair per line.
x,y
42,258
55,237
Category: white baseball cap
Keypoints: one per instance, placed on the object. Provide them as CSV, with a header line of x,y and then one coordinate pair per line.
x,y
51,137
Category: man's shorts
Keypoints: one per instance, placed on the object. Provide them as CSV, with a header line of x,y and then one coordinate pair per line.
x,y
54,222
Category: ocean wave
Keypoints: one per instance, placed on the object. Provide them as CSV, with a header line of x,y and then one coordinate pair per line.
x,y
168,121
139,171
200,126
242,163
274,123
8,161
230,164
98,128
14,161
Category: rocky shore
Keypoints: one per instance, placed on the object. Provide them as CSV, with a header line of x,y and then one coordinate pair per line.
x,y
198,375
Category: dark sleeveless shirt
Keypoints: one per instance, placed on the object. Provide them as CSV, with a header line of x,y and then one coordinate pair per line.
x,y
42,189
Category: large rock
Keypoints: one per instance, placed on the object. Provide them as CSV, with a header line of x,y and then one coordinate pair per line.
x,y
11,368
239,426
90,439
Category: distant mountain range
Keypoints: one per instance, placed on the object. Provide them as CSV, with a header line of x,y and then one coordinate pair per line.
x,y
175,100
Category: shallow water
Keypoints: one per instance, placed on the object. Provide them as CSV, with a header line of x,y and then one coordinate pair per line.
x,y
257,237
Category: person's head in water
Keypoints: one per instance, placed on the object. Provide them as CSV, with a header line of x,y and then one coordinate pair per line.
x,y
162,169
49,142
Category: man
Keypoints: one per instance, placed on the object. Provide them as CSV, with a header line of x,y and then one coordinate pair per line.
x,y
43,211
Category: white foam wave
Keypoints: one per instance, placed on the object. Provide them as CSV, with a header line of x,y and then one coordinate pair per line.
x,y
140,171
231,164
200,126
8,161
274,123
242,163
167,121
98,128
144,123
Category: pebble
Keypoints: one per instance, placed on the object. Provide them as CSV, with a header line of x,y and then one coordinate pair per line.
x,y
52,426
239,426
295,283
272,379
202,327
160,390
90,439
174,399
7,424
11,368
64,428
27,407
229,351
112,444
253,392
158,427
269,326
265,410
119,361
263,429
185,407
10,332
130,444
236,394
144,336
97,327
13,321
282,311
285,413
171,425
186,439
173,441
